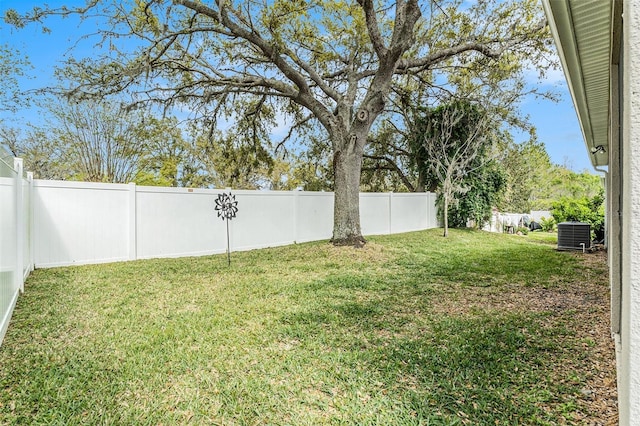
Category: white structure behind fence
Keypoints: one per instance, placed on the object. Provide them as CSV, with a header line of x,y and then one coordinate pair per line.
x,y
502,222
78,222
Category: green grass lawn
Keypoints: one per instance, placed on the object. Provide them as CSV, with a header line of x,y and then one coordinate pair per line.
x,y
414,329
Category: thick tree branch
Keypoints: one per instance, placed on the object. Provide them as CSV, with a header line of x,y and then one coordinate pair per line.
x,y
305,97
485,48
372,28
392,166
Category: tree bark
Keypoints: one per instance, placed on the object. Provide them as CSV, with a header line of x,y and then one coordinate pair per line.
x,y
347,164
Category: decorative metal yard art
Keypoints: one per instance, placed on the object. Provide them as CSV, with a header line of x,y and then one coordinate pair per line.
x,y
227,207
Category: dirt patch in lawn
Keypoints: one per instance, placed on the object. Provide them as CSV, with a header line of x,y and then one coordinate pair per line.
x,y
371,253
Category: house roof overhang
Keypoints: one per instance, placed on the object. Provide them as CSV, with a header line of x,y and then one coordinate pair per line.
x,y
582,30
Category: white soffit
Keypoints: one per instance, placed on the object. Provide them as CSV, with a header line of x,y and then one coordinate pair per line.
x,y
582,31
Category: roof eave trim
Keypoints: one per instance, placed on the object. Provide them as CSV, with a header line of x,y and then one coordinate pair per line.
x,y
561,26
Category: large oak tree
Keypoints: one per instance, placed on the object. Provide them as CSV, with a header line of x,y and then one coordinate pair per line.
x,y
328,62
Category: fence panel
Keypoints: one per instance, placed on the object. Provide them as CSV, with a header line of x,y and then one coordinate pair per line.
x,y
79,222
15,234
375,213
172,222
408,213
314,219
265,219
8,233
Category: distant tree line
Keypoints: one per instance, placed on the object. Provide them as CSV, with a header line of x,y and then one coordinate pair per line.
x,y
452,151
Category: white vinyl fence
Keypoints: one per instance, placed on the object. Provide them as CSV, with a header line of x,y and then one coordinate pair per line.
x,y
79,222
56,223
16,260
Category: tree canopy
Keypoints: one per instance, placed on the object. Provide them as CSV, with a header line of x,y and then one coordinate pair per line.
x,y
328,63
12,65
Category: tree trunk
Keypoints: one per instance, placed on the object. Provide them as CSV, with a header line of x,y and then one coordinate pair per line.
x,y
445,201
347,165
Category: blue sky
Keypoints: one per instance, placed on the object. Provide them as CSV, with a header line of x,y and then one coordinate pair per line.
x,y
556,123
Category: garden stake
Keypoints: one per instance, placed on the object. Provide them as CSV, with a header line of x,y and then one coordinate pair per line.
x,y
227,207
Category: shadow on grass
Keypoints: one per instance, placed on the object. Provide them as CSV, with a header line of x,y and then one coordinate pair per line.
x,y
483,369
477,367
512,260
487,368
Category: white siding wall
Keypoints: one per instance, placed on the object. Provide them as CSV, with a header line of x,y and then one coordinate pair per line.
x,y
78,223
629,347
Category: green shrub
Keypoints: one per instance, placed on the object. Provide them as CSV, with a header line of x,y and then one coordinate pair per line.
x,y
584,209
523,229
547,225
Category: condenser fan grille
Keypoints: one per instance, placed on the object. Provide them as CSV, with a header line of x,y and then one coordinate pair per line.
x,y
574,236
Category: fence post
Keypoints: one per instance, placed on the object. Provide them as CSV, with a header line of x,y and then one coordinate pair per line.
x,y
427,210
434,209
390,211
31,222
19,275
133,223
296,197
